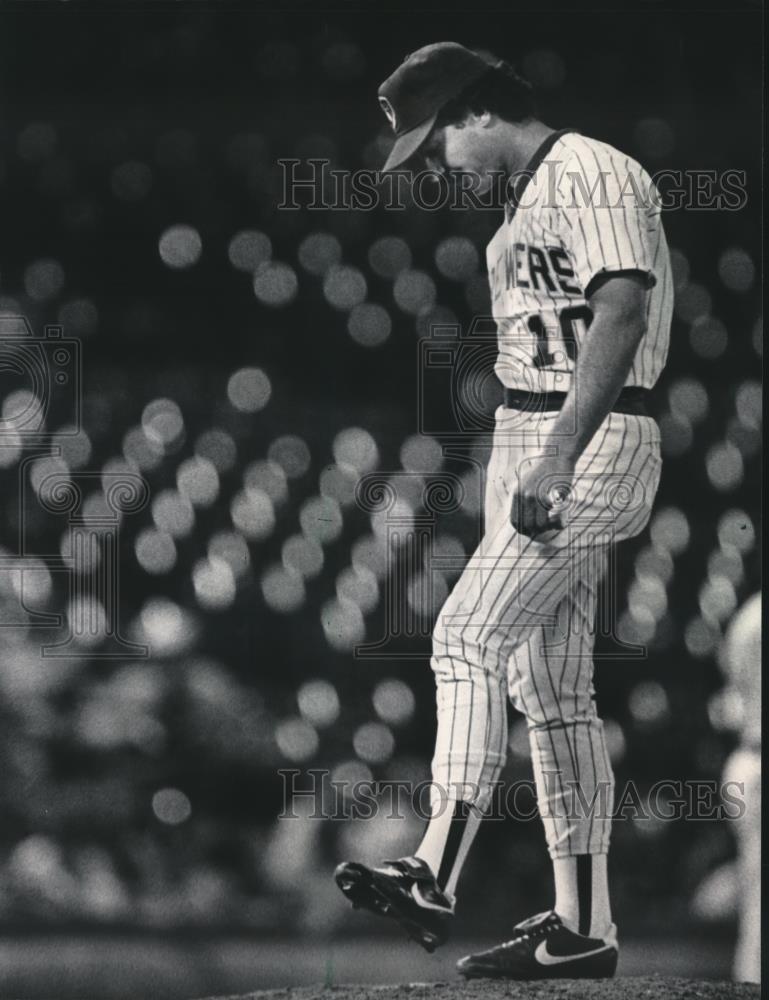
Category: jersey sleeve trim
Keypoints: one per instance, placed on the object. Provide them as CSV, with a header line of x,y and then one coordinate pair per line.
x,y
612,272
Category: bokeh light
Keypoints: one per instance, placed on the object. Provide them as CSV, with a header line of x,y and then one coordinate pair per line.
x,y
268,477
233,549
275,284
639,627
79,317
214,583
167,628
700,638
218,448
171,806
708,338
388,256
318,252
180,247
427,592
421,454
725,466
616,744
296,739
173,513
655,563
36,142
456,258
736,269
282,589
359,585
748,404
370,552
676,434
679,265
75,446
394,702
648,703
726,563
253,514
318,703
198,480
735,530
338,482
373,742
395,524
670,530
647,593
42,468
11,447
718,600
23,411
291,454
369,324
44,279
85,558
343,624
303,555
248,249
344,286
446,549
689,398
321,519
249,390
414,292
155,551
355,448
692,302
163,424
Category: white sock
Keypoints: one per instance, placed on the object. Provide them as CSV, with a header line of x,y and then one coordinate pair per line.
x,y
447,841
582,894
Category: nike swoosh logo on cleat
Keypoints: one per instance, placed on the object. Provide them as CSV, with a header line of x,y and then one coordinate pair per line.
x,y
419,899
543,956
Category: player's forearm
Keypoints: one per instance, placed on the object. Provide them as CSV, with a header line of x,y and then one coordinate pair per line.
x,y
602,367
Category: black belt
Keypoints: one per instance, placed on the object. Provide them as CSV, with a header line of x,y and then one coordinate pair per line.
x,y
632,399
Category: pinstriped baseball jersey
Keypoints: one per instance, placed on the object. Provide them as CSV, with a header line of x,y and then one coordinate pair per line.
x,y
581,209
520,620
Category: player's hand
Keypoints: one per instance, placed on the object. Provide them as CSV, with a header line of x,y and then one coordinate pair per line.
x,y
543,491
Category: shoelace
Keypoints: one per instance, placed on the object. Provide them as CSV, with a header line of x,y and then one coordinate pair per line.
x,y
534,930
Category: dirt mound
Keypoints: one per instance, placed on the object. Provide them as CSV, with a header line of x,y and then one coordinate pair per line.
x,y
623,988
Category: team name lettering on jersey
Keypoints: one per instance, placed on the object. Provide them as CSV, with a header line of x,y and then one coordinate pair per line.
x,y
539,268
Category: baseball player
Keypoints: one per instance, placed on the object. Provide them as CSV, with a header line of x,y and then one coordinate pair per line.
x,y
582,297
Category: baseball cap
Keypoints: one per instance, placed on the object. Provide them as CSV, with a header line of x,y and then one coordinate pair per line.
x,y
425,81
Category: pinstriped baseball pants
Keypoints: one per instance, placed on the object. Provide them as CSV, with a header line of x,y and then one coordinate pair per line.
x,y
520,623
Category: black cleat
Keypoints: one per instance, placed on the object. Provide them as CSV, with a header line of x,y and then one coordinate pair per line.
x,y
543,948
404,890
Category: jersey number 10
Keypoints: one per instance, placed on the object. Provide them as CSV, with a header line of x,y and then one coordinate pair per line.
x,y
567,318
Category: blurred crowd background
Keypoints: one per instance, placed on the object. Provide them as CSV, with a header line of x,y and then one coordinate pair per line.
x,y
251,363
